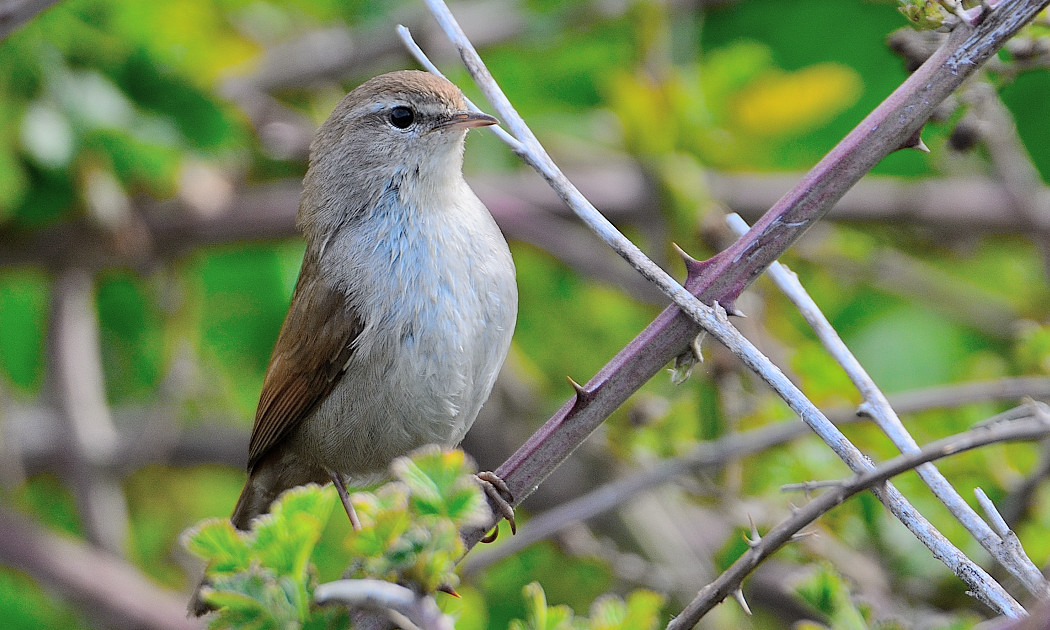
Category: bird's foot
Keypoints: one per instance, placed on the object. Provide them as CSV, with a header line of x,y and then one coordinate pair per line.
x,y
500,498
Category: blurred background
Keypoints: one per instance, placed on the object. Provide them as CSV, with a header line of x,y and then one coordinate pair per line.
x,y
151,157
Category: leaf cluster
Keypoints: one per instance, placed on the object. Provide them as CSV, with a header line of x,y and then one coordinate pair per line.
x,y
265,577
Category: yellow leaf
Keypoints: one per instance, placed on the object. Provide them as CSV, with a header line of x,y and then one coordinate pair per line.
x,y
780,103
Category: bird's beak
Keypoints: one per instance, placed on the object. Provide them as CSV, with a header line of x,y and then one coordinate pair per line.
x,y
466,120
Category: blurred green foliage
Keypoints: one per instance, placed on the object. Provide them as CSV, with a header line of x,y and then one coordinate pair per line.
x,y
128,93
265,578
641,611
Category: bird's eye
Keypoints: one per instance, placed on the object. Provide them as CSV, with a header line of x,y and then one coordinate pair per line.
x,y
401,117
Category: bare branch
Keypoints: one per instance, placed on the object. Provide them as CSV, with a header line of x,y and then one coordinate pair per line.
x,y
117,593
92,439
15,13
735,446
878,407
1035,425
722,278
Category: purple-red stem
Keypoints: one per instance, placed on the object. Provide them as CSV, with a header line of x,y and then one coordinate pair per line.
x,y
894,124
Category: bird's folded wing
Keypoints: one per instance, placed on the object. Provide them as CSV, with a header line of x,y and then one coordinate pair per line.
x,y
308,360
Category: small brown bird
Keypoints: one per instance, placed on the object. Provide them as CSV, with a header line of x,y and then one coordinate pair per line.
x,y
405,303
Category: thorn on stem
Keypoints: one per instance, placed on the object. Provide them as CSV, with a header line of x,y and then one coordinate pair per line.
x,y
755,538
914,141
693,267
738,595
583,395
723,311
580,391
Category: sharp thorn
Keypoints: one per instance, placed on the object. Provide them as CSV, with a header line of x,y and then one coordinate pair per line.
x,y
914,141
755,538
689,260
720,311
693,267
738,595
581,392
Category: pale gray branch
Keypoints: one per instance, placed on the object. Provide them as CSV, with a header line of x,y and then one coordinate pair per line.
x,y
76,363
1034,425
878,407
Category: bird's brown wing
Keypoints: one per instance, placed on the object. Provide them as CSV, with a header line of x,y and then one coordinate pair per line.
x,y
309,358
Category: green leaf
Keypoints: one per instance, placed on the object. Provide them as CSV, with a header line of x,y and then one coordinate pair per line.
x,y
540,616
421,483
255,599
641,611
285,538
829,592
924,15
217,541
441,483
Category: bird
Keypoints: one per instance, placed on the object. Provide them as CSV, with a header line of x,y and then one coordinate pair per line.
x,y
405,304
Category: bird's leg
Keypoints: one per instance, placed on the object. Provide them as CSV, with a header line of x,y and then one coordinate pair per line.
x,y
344,496
500,498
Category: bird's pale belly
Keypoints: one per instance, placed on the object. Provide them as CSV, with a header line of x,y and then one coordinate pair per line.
x,y
399,396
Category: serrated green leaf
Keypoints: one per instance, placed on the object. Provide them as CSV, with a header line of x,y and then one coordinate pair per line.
x,y
311,499
285,538
216,541
256,599
441,483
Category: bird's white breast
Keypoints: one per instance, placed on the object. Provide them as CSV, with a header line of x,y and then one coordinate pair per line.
x,y
435,288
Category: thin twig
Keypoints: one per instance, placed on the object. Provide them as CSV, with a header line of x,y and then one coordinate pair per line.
x,y
1035,426
738,445
611,495
878,407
